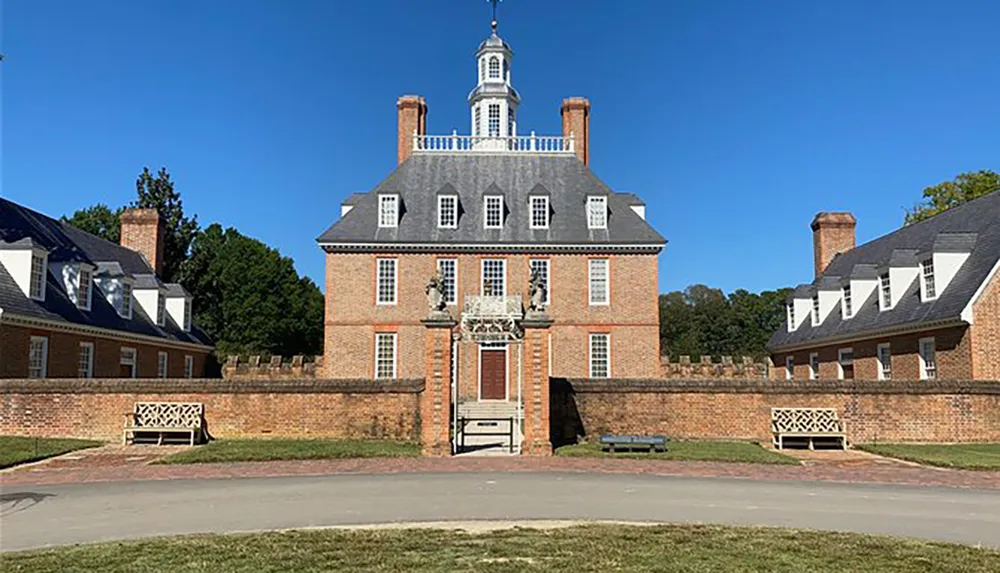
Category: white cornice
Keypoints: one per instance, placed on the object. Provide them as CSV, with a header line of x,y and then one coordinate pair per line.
x,y
488,247
29,321
969,311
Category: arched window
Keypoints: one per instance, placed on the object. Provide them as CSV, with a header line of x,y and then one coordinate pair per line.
x,y
482,69
494,68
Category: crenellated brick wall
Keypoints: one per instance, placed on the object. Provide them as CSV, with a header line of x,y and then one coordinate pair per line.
x,y
707,368
732,409
274,369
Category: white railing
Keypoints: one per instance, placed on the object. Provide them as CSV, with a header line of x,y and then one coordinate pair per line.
x,y
482,306
455,143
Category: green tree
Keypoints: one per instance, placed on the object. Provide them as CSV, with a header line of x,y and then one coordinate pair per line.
x,y
97,220
157,192
943,196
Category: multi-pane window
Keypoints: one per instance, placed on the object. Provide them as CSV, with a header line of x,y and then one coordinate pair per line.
x,y
845,361
928,359
791,315
448,269
448,211
789,368
36,288
494,68
814,366
386,281
385,355
539,212
38,357
848,302
598,275
815,313
83,292
930,289
597,212
494,119
482,69
161,309
126,300
85,366
189,366
600,356
128,363
510,121
886,288
475,124
388,210
187,315
494,277
494,212
161,365
541,266
884,354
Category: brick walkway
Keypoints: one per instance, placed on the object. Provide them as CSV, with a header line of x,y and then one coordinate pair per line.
x,y
115,463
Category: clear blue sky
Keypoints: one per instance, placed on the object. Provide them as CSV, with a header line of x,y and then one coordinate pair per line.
x,y
736,120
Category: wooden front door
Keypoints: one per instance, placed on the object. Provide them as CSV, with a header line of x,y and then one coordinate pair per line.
x,y
493,372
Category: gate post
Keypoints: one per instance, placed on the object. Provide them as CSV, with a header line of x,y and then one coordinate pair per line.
x,y
435,400
537,441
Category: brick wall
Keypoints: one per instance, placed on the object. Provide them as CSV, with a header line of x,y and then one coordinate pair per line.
x,y
312,408
896,411
986,333
954,357
684,369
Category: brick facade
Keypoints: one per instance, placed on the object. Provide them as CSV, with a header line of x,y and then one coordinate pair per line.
x,y
142,230
986,333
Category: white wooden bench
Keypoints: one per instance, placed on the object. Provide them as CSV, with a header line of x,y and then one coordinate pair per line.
x,y
165,418
808,424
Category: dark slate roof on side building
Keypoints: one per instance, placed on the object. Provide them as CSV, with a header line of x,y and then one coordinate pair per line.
x,y
65,243
419,180
976,223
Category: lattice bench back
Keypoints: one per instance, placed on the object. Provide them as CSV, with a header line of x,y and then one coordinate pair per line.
x,y
806,420
168,415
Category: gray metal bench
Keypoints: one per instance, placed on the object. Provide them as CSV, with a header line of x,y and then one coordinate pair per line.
x,y
630,442
808,424
163,419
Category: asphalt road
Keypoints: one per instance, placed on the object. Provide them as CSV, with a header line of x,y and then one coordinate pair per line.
x,y
58,515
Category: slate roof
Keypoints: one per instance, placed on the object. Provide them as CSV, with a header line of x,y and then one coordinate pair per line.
x,y
567,181
69,244
976,223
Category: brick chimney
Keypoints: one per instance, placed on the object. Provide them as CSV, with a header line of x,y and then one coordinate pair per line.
x,y
576,121
833,233
143,231
411,114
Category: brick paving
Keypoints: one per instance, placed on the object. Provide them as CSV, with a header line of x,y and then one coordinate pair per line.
x,y
116,463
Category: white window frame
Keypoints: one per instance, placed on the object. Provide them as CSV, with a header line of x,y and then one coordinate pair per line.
x,y
815,310
392,264
790,309
503,276
132,361
388,211
127,300
442,200
395,353
544,202
840,364
883,357
789,367
494,68
188,312
847,299
161,309
607,282
476,122
548,276
493,120
607,359
885,292
85,370
814,365
38,345
188,366
453,300
83,299
497,201
36,279
162,364
928,282
597,219
928,364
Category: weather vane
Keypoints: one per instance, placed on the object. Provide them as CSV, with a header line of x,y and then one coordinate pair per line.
x,y
494,22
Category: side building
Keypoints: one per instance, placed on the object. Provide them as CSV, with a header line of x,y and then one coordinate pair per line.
x,y
920,303
73,305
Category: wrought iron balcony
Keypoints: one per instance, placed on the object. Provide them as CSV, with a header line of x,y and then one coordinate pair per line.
x,y
492,318
493,306
454,143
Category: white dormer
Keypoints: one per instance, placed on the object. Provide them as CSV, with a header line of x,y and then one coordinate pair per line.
x,y
447,211
858,289
115,286
178,306
597,212
896,278
827,298
798,311
939,267
345,209
77,279
639,210
388,210
26,262
150,294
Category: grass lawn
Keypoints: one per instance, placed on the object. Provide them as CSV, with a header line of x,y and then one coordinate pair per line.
x,y
596,548
690,451
962,456
269,450
16,450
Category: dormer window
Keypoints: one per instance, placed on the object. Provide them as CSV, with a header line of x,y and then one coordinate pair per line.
x,y
791,315
187,316
84,291
848,303
494,68
126,308
927,271
36,288
388,211
493,206
815,312
448,211
886,292
161,310
597,212
539,212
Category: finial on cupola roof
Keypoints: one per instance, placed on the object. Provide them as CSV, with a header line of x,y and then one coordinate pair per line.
x,y
494,22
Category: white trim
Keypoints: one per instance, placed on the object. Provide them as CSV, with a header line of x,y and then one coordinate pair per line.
x,y
118,335
848,288
878,360
482,275
607,282
388,197
922,277
395,355
45,356
593,248
923,359
455,278
531,211
814,366
603,200
84,268
134,361
840,363
494,346
45,273
378,282
590,354
486,211
440,201
907,327
162,364
90,364
968,313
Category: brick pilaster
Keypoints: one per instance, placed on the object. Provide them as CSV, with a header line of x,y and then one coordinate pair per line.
x,y
435,401
537,440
